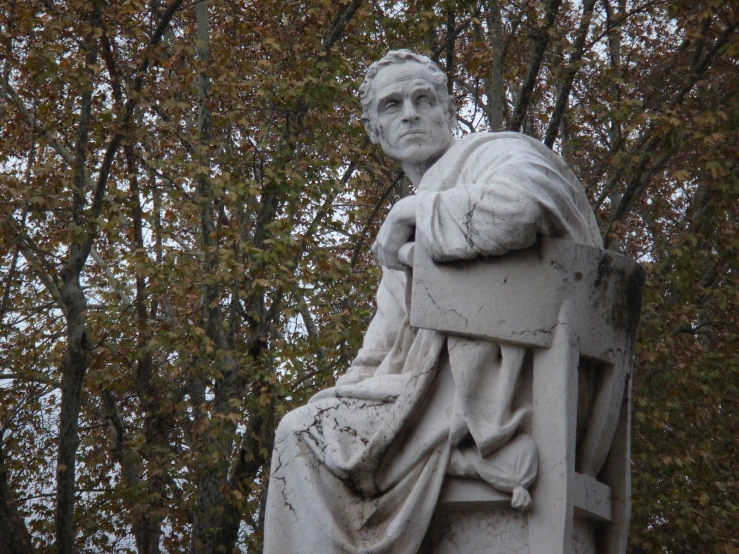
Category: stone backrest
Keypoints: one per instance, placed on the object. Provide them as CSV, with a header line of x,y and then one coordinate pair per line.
x,y
517,297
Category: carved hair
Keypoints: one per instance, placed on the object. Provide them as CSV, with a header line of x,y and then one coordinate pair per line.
x,y
366,95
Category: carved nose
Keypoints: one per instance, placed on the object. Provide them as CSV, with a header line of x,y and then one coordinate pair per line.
x,y
409,111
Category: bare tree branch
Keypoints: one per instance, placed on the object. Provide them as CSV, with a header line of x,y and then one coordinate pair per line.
x,y
540,46
573,65
117,286
452,35
644,169
26,246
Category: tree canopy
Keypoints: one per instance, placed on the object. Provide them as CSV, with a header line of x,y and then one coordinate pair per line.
x,y
187,200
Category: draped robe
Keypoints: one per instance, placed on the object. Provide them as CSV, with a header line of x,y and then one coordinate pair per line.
x,y
359,468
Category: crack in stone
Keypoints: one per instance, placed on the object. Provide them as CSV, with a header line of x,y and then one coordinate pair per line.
x,y
441,309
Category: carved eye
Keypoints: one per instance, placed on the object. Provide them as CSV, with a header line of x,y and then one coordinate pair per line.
x,y
423,100
391,106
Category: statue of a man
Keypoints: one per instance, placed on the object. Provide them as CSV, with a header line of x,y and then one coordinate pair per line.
x,y
360,467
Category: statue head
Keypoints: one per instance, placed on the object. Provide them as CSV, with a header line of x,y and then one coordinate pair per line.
x,y
406,106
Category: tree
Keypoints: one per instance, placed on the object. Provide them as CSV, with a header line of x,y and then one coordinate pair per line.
x,y
187,205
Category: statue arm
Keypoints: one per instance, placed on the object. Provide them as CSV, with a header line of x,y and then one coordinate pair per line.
x,y
508,193
382,330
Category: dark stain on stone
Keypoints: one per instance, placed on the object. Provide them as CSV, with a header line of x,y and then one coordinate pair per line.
x,y
556,265
604,268
628,278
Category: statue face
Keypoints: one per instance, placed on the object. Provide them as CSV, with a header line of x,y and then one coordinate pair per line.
x,y
413,124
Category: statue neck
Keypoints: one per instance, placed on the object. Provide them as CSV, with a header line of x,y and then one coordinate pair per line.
x,y
416,171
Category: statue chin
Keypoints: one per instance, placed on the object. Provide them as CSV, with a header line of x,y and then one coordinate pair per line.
x,y
419,152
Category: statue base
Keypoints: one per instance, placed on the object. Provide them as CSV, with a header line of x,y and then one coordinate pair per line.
x,y
486,530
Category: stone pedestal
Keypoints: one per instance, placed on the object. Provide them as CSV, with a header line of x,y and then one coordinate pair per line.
x,y
479,530
484,531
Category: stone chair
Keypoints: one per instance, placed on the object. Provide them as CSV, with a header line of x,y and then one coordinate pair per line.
x,y
576,309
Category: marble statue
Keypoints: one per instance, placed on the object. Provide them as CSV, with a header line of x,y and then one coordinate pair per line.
x,y
361,467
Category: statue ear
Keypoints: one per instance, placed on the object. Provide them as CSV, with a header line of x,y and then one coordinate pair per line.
x,y
371,130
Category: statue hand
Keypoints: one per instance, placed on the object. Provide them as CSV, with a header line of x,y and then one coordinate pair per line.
x,y
398,229
521,499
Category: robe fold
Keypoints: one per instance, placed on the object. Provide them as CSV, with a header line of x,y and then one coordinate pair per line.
x,y
359,468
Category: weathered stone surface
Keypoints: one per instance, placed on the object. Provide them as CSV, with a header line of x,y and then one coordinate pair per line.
x,y
457,530
486,411
517,298
480,530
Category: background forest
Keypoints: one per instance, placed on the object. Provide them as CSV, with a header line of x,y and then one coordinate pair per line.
x,y
187,201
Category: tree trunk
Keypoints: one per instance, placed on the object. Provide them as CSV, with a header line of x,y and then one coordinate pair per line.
x,y
614,133
213,445
74,364
73,372
450,23
13,532
495,85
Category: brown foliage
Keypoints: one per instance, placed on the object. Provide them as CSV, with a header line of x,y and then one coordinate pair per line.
x,y
187,200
